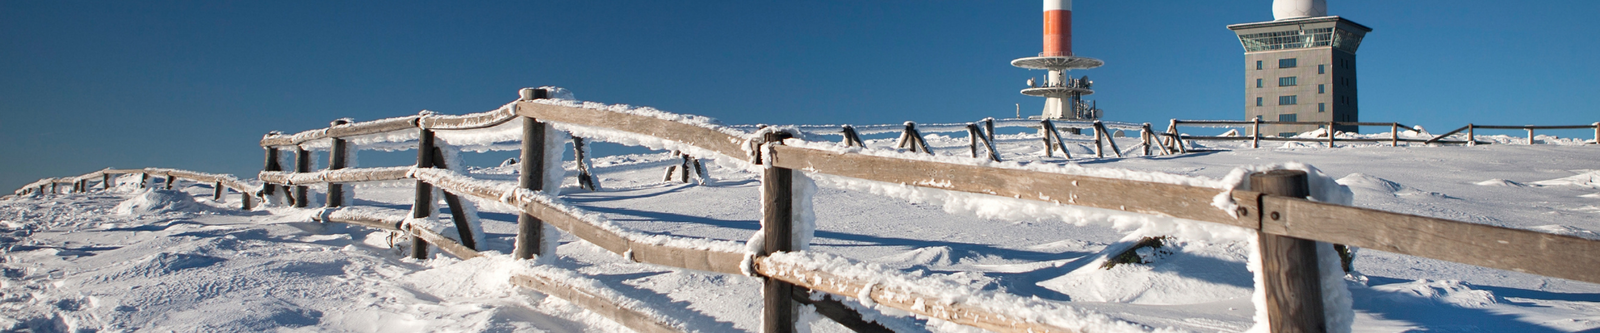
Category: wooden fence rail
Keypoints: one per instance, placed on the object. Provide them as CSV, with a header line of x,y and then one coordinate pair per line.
x,y
1394,132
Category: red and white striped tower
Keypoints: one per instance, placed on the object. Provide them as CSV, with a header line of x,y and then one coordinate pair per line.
x,y
1057,28
1063,94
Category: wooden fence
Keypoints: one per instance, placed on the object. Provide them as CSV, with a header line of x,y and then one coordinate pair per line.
x,y
1255,137
1278,210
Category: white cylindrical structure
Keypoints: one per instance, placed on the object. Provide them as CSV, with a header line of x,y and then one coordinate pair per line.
x,y
1293,9
1057,28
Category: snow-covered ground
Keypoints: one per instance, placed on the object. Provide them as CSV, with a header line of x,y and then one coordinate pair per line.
x,y
140,259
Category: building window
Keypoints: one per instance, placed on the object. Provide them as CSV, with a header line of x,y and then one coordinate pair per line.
x,y
1321,70
1258,101
1258,83
1286,117
1258,65
1287,81
1321,90
1288,100
1287,63
1322,107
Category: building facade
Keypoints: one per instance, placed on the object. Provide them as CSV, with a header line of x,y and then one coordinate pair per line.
x,y
1301,69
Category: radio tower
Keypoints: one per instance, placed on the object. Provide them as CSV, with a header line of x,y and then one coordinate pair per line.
x,y
1063,94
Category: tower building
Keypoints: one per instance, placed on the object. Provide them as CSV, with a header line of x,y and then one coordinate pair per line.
x,y
1063,94
1301,66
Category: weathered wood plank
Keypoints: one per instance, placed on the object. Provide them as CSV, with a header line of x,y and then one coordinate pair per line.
x,y
599,305
1181,201
352,129
1518,250
694,135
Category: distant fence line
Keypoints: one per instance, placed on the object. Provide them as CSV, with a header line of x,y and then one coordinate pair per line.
x,y
1278,210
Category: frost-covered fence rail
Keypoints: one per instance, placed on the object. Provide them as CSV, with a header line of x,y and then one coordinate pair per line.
x,y
1472,137
1255,137
220,183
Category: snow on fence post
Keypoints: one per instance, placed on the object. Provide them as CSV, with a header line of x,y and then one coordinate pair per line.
x,y
1289,268
530,230
458,211
777,226
423,206
338,158
302,164
580,153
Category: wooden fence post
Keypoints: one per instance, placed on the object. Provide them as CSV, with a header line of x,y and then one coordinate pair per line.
x,y
1255,132
851,138
169,181
1289,273
271,164
1530,135
1472,138
105,181
1394,134
1044,128
244,201
1100,129
423,206
777,225
1330,134
530,230
144,180
1597,133
972,135
988,128
217,191
302,164
338,158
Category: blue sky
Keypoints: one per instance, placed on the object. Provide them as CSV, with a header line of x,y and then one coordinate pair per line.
x,y
194,84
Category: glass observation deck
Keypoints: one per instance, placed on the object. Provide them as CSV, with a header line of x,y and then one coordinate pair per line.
x,y
1327,31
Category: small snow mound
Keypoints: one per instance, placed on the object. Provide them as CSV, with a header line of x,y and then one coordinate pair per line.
x,y
1449,292
1362,182
1591,196
1230,133
1500,182
1299,145
1186,272
927,256
1587,178
153,201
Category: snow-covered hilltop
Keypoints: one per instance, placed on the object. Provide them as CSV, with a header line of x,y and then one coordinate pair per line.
x,y
135,258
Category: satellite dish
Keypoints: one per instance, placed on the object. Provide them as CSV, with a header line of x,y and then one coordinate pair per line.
x,y
1293,9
